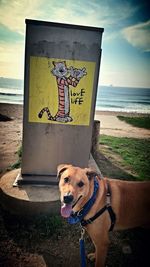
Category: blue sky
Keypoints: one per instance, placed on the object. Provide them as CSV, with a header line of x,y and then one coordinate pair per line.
x,y
126,39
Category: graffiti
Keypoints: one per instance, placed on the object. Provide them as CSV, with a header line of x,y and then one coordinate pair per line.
x,y
77,98
65,77
60,91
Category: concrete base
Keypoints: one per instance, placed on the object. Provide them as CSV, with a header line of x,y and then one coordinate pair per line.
x,y
29,200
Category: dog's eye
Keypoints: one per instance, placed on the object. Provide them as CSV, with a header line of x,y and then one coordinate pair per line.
x,y
66,180
80,184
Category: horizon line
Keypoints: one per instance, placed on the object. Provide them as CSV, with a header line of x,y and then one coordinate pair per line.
x,y
99,85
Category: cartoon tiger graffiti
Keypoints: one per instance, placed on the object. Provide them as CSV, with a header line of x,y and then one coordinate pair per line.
x,y
65,77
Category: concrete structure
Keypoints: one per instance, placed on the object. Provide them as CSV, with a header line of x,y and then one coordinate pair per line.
x,y
61,69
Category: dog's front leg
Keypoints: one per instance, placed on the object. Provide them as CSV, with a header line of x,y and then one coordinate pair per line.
x,y
100,239
101,246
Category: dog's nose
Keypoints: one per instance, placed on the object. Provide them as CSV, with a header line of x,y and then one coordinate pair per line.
x,y
68,198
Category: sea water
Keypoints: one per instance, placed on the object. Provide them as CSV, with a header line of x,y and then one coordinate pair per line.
x,y
11,91
109,98
123,99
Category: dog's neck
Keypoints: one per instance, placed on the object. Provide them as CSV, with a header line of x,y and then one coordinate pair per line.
x,y
99,198
81,204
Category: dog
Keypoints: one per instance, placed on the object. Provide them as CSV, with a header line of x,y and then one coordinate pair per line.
x,y
102,204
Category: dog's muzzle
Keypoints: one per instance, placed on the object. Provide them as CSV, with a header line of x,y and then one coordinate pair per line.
x,y
68,198
68,205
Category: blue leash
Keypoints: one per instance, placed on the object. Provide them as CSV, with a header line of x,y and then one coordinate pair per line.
x,y
82,248
77,217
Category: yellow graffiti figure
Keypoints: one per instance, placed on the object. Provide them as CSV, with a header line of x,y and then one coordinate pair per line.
x,y
61,72
60,91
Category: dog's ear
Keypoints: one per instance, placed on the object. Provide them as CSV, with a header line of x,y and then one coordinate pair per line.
x,y
60,169
91,173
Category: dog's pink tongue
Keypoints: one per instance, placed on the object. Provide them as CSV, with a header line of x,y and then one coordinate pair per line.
x,y
66,210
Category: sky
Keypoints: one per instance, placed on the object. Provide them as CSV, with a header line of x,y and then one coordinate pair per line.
x,y
125,43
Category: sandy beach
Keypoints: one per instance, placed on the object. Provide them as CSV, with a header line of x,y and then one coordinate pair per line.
x,y
11,131
111,125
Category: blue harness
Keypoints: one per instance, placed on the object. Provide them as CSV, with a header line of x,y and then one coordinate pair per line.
x,y
78,216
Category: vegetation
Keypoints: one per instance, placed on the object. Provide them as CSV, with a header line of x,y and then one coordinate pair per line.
x,y
17,164
134,152
141,122
35,227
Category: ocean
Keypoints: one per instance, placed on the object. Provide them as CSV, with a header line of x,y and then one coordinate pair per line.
x,y
109,98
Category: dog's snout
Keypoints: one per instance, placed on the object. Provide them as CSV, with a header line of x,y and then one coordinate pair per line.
x,y
68,198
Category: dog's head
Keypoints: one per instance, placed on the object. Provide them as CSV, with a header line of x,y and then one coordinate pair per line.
x,y
74,186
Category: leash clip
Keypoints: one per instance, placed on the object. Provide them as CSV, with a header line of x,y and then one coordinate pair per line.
x,y
82,233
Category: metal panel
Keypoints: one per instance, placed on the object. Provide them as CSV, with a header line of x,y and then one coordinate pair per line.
x,y
47,141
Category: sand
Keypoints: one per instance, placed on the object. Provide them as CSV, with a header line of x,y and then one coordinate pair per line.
x,y
10,135
11,131
111,125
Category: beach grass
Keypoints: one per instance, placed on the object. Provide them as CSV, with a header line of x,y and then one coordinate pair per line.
x,y
141,122
134,153
17,164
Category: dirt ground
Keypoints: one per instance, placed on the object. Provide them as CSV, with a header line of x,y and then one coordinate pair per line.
x,y
45,241
28,244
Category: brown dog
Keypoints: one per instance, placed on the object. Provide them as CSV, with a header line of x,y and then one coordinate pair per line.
x,y
122,204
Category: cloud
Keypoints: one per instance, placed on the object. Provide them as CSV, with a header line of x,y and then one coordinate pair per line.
x,y
14,12
9,36
138,35
99,14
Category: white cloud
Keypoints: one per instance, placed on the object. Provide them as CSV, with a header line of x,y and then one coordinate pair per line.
x,y
14,12
101,14
138,35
